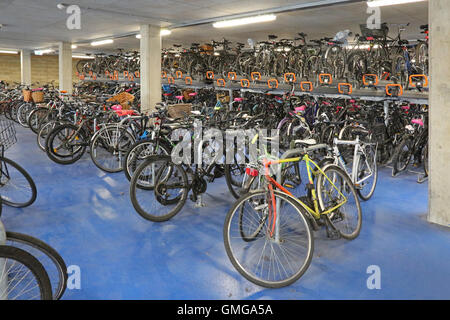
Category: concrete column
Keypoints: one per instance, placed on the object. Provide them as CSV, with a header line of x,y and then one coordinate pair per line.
x,y
3,280
150,67
439,121
65,67
25,65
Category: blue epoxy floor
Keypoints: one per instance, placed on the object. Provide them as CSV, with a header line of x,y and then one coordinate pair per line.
x,y
87,216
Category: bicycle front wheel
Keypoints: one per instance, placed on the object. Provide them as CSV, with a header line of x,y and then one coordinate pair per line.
x,y
17,188
268,239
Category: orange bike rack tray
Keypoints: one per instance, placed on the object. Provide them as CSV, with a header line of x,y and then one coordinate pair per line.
x,y
163,74
289,77
341,87
274,82
179,74
90,73
130,77
394,85
255,76
221,82
171,80
374,81
232,75
188,80
209,75
94,77
422,76
137,74
309,83
325,78
125,74
245,83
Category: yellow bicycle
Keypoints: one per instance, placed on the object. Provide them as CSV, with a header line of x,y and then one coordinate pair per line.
x,y
268,232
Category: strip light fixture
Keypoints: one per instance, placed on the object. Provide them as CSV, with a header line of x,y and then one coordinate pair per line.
x,y
82,57
244,21
9,51
74,46
101,42
164,32
382,3
42,52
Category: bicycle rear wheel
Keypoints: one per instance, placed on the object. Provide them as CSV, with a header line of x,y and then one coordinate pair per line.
x,y
17,188
22,276
338,190
256,250
159,188
367,173
49,258
66,144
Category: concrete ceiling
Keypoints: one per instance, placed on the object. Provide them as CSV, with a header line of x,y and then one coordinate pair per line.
x,y
40,24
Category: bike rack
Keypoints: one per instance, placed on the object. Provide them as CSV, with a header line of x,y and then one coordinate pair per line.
x,y
125,74
325,78
289,77
341,87
137,74
418,84
310,86
130,77
272,81
256,76
94,77
179,74
188,80
394,85
232,76
247,83
170,80
209,75
368,82
163,74
221,82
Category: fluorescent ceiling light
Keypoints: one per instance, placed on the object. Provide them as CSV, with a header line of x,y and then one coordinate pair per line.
x,y
82,57
101,42
164,32
243,21
9,51
74,46
381,3
41,52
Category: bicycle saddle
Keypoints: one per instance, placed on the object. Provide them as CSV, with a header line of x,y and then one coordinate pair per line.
x,y
272,36
306,142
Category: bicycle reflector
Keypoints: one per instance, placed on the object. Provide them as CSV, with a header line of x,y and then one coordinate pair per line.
x,y
289,77
221,82
394,89
179,74
245,83
232,75
345,88
325,78
251,172
370,79
272,83
255,76
188,80
306,86
209,75
418,80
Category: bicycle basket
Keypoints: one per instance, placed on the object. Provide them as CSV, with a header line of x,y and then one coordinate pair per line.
x,y
7,134
374,33
37,96
27,95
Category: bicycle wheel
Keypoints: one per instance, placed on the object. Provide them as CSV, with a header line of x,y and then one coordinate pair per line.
x,y
367,173
66,144
109,146
22,276
425,159
159,188
338,190
37,118
139,152
17,188
252,244
22,114
44,131
49,258
403,155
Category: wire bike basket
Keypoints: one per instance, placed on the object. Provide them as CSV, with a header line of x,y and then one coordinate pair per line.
x,y
7,134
